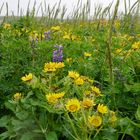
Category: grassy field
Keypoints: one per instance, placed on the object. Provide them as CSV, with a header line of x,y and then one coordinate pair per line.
x,y
70,78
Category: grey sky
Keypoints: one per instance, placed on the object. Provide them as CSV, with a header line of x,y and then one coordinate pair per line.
x,y
12,4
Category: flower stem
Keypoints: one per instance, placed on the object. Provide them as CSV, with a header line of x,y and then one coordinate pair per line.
x,y
73,127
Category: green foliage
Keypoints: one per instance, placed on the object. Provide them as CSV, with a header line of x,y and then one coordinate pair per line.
x,y
25,112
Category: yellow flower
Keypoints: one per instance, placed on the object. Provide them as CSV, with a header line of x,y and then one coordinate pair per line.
x,y
95,121
79,81
33,35
73,74
96,90
73,37
52,66
87,54
17,96
73,105
27,77
7,26
55,28
87,103
53,97
59,65
136,45
69,59
90,80
102,109
67,36
59,95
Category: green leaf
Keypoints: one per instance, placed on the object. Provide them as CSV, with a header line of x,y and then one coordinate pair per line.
x,y
110,134
22,115
4,135
127,127
4,120
10,106
137,115
52,136
28,136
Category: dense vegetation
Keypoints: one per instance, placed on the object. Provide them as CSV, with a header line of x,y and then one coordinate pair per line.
x,y
71,79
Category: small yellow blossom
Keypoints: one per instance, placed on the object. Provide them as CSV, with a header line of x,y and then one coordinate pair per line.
x,y
73,37
27,77
87,103
73,74
52,66
67,36
95,121
17,96
55,28
7,26
69,59
49,67
53,97
73,105
90,80
136,45
59,65
79,81
102,109
96,91
118,51
87,54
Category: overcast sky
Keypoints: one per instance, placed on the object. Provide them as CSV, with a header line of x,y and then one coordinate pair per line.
x,y
12,4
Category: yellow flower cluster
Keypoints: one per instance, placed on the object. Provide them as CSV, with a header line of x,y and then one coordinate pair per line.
x,y
7,26
55,28
78,80
27,77
53,66
69,36
35,35
53,97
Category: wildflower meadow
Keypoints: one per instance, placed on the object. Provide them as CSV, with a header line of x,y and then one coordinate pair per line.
x,y
70,78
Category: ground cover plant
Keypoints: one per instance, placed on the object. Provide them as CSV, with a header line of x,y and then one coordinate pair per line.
x,y
75,78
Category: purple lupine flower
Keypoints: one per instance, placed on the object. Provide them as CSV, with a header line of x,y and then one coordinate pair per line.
x,y
58,53
47,35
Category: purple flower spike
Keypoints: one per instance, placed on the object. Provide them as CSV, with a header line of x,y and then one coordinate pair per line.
x,y
58,54
47,35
